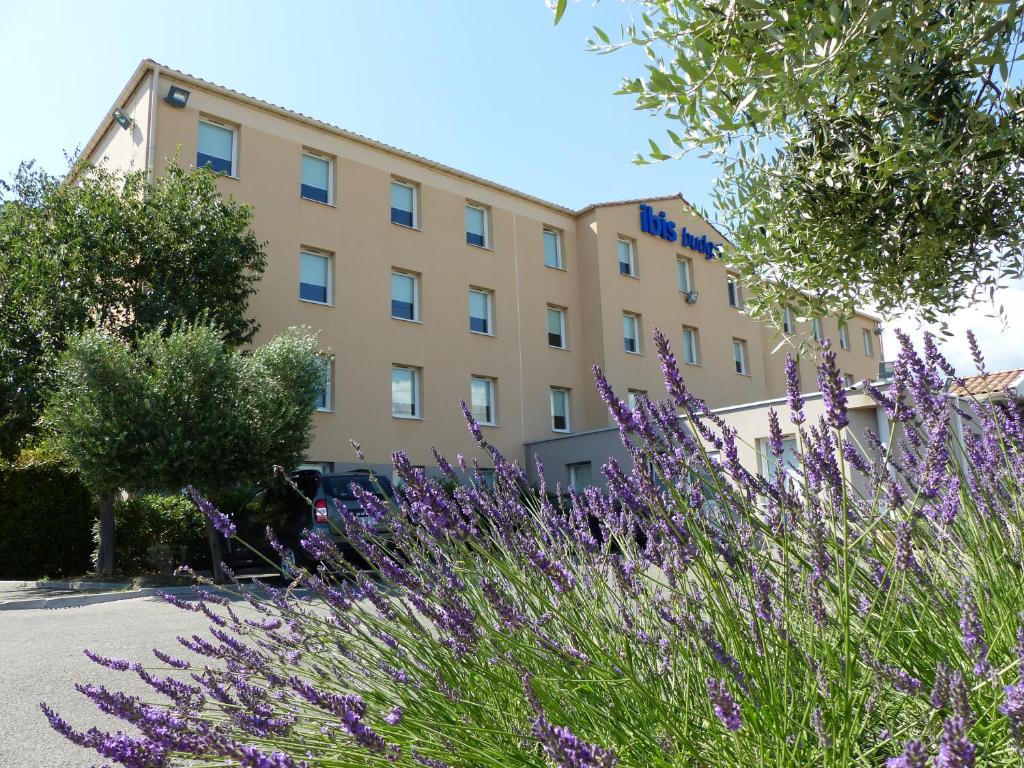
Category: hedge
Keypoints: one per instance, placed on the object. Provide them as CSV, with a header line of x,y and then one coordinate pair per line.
x,y
46,520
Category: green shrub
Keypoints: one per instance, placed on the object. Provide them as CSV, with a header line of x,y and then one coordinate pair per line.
x,y
158,533
46,519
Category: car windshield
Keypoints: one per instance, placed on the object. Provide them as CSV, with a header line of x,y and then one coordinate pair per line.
x,y
339,487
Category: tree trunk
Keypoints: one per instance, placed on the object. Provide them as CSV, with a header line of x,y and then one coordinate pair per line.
x,y
105,556
215,554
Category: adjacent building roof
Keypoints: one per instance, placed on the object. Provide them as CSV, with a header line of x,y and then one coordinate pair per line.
x,y
992,384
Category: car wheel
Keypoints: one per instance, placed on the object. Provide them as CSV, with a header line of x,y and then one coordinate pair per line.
x,y
289,562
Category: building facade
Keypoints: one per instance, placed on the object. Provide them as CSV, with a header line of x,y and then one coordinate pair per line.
x,y
429,286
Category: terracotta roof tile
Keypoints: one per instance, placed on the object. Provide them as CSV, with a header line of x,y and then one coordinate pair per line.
x,y
993,383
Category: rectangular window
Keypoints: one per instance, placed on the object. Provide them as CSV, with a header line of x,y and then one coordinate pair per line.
x,y
848,380
869,344
324,396
580,475
405,303
405,392
480,311
476,226
556,327
739,356
819,333
684,273
482,400
559,409
316,178
315,277
691,346
732,285
787,320
631,332
844,336
634,395
789,462
553,249
403,204
627,257
216,148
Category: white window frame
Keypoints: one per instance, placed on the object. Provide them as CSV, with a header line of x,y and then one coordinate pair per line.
x,y
636,331
562,325
330,176
787,321
330,276
869,345
492,403
328,391
489,296
415,296
849,380
634,272
234,142
574,469
844,336
487,225
632,396
684,266
559,255
415,203
735,295
695,334
417,393
566,393
817,329
768,467
741,361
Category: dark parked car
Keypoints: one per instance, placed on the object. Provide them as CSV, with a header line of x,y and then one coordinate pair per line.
x,y
291,513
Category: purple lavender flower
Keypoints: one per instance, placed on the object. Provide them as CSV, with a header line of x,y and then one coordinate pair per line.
x,y
394,716
972,630
833,394
914,756
725,706
794,398
567,750
904,559
218,519
955,750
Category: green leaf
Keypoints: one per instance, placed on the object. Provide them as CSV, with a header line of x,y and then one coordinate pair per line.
x,y
560,9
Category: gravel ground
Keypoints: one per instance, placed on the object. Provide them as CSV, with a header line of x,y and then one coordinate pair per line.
x,y
41,659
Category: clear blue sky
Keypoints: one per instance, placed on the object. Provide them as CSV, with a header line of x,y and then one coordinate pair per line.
x,y
489,87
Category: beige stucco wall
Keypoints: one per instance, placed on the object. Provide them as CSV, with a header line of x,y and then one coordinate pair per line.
x,y
125,150
365,245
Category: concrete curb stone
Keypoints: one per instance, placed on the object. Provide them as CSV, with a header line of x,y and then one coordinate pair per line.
x,y
75,601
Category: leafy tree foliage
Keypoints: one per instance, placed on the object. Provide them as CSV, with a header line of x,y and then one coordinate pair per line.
x,y
869,150
116,253
180,408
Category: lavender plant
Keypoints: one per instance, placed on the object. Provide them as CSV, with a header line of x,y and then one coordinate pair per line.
x,y
695,614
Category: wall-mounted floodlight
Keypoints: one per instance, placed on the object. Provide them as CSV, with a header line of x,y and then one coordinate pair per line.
x,y
122,119
176,97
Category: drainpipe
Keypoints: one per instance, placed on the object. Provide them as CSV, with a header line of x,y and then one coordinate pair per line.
x,y
151,128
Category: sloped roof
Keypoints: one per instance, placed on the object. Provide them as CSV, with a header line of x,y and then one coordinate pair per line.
x,y
991,384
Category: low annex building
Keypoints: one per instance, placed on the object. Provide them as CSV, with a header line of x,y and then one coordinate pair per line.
x,y
429,285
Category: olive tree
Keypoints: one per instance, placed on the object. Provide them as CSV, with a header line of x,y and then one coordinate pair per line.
x,y
181,408
869,150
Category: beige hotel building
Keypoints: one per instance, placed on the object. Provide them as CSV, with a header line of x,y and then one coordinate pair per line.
x,y
429,285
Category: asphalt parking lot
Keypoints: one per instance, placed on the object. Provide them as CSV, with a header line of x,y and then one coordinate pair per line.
x,y
41,659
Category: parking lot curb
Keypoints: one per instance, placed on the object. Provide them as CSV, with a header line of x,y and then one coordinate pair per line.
x,y
95,598
69,601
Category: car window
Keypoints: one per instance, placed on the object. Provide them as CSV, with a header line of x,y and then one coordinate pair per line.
x,y
340,486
